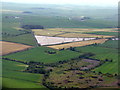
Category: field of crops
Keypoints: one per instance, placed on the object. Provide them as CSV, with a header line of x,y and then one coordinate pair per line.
x,y
47,40
82,64
76,32
83,29
45,32
39,54
104,33
83,35
27,39
77,44
8,47
12,73
110,44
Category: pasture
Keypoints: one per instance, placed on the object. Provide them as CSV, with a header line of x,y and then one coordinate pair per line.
x,y
39,54
59,21
102,53
105,33
10,31
9,47
77,44
110,44
27,39
12,73
71,74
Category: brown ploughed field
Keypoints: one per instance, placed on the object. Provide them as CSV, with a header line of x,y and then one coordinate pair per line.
x,y
8,47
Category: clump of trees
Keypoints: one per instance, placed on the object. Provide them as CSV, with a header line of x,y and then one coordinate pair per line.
x,y
50,52
27,12
32,27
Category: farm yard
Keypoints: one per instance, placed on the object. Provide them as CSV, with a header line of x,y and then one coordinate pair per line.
x,y
49,47
8,47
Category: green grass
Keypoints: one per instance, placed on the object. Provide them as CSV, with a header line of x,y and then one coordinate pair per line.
x,y
109,44
9,28
9,24
38,54
9,31
27,39
62,22
108,68
13,77
102,53
14,83
104,33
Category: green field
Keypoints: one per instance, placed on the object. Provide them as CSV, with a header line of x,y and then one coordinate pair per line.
x,y
62,22
102,53
56,16
27,39
12,73
10,33
38,54
104,33
110,44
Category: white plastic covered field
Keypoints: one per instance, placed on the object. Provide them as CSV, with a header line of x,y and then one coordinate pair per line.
x,y
46,40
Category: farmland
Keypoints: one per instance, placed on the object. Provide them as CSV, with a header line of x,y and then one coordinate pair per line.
x,y
77,44
8,47
83,35
105,33
49,46
110,44
40,54
76,32
46,40
83,29
29,80
45,32
102,54
26,39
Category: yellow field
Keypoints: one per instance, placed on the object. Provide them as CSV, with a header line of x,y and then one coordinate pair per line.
x,y
83,35
72,32
18,28
8,47
45,32
82,29
6,10
77,44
